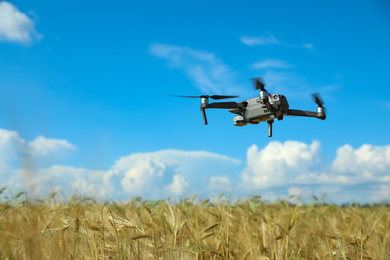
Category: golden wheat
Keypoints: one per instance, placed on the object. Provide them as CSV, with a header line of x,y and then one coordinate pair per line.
x,y
82,228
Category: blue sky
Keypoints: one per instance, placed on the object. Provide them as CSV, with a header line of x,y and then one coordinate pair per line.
x,y
85,98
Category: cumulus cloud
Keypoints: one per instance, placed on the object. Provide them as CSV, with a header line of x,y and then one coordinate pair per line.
x,y
13,148
143,175
16,26
10,145
290,168
271,64
40,182
204,68
42,146
363,164
167,172
176,188
26,157
278,164
31,166
278,170
261,40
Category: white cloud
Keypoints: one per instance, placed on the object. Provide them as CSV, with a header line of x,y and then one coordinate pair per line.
x,y
361,174
176,188
27,157
220,184
16,26
143,175
295,191
274,171
41,182
261,40
277,164
271,64
381,192
42,146
363,164
14,149
204,68
167,172
153,175
10,144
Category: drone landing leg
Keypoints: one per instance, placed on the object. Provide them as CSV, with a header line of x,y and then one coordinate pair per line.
x,y
204,115
270,122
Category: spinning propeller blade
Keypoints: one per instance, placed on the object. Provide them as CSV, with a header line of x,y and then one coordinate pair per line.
x,y
317,99
258,83
221,97
207,96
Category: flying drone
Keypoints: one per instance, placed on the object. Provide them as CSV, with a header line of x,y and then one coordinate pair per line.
x,y
265,108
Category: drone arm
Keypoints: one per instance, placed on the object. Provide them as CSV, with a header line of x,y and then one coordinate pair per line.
x,y
225,105
294,112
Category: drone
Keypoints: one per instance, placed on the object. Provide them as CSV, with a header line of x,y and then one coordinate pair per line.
x,y
265,108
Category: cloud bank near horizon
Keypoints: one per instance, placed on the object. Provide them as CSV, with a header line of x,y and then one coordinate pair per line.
x,y
277,170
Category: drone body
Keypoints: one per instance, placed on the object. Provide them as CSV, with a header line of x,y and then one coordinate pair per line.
x,y
257,110
265,108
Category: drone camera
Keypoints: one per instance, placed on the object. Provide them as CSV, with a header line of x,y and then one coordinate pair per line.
x,y
239,121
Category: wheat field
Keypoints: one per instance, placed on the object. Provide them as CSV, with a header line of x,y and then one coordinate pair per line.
x,y
192,228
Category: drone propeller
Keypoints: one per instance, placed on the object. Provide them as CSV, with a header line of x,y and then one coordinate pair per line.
x,y
320,110
317,99
216,97
205,102
258,83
